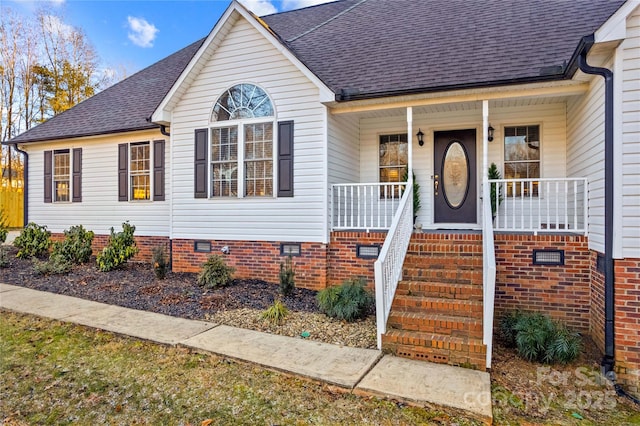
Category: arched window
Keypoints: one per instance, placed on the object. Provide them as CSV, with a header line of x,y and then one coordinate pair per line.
x,y
242,155
242,101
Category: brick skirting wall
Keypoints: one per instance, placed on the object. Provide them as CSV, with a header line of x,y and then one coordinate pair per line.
x,y
627,323
343,263
257,259
562,292
145,244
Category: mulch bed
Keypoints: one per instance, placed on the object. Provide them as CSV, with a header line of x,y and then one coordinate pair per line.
x,y
135,286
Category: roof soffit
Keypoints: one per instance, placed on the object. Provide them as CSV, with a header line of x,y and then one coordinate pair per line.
x,y
234,12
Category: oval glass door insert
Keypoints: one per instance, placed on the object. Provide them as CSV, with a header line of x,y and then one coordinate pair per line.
x,y
455,174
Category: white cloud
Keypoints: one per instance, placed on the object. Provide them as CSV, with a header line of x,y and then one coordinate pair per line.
x,y
54,25
297,4
141,32
259,7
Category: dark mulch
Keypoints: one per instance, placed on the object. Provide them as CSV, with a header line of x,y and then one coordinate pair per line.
x,y
135,286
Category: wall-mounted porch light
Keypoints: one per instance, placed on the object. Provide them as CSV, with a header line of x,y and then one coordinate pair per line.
x,y
420,136
490,133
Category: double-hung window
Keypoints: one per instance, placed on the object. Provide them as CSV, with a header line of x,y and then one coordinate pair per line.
x,y
139,171
522,159
242,144
61,175
393,162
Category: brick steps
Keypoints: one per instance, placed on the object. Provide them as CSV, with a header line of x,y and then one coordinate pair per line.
x,y
436,314
451,325
452,350
439,289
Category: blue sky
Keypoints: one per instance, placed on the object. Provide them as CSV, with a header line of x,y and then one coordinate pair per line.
x,y
130,35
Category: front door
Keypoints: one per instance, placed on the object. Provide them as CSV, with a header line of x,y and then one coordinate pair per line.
x,y
454,179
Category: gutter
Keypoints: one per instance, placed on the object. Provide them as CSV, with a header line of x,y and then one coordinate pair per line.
x,y
609,278
25,177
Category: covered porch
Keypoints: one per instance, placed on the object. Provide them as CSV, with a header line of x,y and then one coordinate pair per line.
x,y
422,165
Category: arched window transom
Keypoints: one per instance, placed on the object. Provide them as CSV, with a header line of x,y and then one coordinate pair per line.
x,y
242,101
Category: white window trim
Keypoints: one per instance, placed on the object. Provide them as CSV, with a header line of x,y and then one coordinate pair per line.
x,y
239,124
151,182
54,193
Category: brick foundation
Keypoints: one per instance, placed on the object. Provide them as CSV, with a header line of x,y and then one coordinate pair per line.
x,y
145,244
342,260
562,292
627,323
596,328
257,259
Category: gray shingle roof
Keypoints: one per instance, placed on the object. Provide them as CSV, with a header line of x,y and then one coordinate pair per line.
x,y
123,107
383,47
370,48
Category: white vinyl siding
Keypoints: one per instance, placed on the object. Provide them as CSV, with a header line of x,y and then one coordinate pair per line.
x,y
100,208
585,150
631,138
245,56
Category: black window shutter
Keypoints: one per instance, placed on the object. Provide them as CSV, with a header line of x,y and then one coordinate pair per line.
x,y
285,159
200,163
48,176
158,170
123,172
76,175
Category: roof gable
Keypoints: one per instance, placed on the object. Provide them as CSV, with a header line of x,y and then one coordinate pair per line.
x,y
234,12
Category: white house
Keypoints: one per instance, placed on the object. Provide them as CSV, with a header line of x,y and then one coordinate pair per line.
x,y
295,134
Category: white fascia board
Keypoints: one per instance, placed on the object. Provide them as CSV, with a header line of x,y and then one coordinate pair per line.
x,y
615,28
161,115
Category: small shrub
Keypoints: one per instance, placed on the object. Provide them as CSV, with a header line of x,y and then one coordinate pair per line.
x,y
56,265
276,313
349,301
287,277
4,257
538,338
120,248
159,262
215,273
564,345
507,328
76,246
33,241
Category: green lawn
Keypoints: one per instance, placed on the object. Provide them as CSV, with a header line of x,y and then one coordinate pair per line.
x,y
59,373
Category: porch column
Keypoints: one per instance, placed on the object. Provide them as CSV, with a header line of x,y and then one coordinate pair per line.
x,y
485,142
410,142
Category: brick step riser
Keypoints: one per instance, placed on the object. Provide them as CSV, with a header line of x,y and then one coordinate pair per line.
x,y
454,249
445,327
448,262
440,292
460,276
441,356
465,311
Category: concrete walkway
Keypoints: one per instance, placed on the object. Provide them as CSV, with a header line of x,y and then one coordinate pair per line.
x,y
363,371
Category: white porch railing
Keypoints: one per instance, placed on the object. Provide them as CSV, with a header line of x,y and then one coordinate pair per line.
x,y
368,206
541,205
488,274
388,267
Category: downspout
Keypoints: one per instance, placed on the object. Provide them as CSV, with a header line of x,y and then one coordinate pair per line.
x,y
25,189
609,305
163,130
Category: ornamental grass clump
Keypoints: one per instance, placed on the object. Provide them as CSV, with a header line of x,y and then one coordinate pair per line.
x,y
349,301
215,273
55,265
120,248
276,313
538,338
33,241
